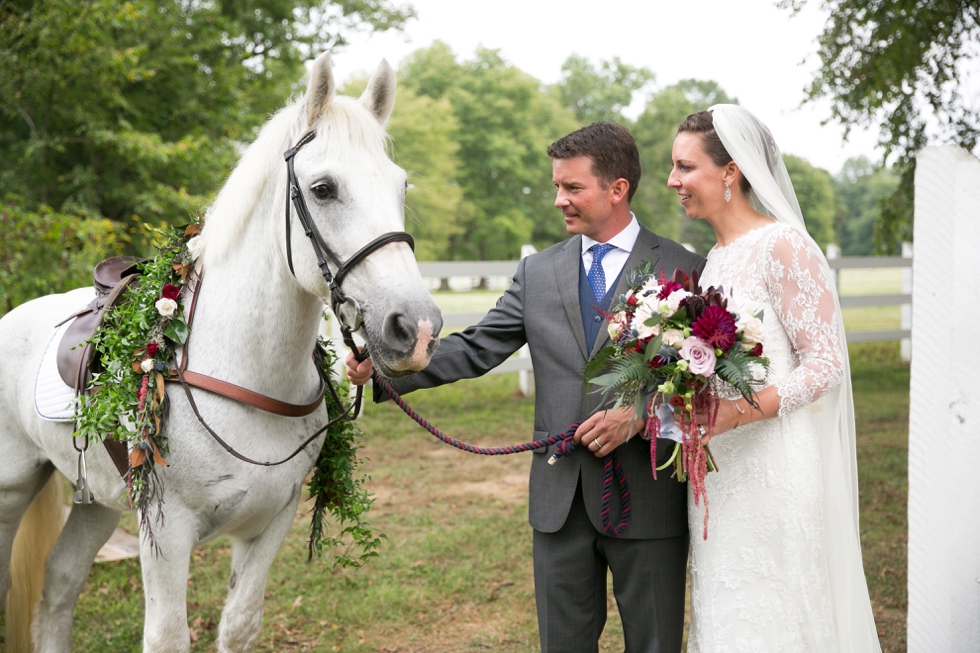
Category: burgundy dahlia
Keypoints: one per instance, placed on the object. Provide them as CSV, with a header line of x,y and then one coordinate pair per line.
x,y
715,326
152,349
170,291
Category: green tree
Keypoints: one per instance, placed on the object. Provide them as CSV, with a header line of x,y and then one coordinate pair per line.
x,y
815,191
883,62
134,111
599,94
860,186
422,131
43,252
505,122
656,205
121,109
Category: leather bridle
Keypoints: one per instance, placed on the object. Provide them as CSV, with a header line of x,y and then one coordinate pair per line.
x,y
338,299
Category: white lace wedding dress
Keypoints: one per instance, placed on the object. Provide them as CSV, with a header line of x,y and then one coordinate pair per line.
x,y
760,582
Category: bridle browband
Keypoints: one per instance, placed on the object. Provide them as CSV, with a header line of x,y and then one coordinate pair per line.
x,y
338,299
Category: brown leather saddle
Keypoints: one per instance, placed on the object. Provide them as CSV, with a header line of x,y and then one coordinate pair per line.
x,y
76,357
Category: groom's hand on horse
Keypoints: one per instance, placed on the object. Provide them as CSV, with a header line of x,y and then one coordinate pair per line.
x,y
604,431
359,373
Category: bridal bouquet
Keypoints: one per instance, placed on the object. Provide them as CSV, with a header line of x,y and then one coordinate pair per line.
x,y
670,341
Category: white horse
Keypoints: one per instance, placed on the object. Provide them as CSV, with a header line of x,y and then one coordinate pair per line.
x,y
255,326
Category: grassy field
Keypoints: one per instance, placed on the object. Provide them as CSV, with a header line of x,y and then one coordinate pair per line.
x,y
455,571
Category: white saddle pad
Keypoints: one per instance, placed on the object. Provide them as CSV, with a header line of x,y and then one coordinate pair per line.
x,y
52,397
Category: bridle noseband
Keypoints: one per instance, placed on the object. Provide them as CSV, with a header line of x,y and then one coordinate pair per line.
x,y
338,299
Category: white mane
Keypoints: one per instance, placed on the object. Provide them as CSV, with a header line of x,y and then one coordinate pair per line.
x,y
345,127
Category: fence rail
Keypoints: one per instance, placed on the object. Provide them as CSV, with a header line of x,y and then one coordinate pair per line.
x,y
477,270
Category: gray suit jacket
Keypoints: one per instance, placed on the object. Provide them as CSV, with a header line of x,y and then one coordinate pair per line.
x,y
541,308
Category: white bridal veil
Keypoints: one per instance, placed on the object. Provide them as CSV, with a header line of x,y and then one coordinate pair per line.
x,y
753,149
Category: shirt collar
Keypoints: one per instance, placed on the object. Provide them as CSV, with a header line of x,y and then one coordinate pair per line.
x,y
624,240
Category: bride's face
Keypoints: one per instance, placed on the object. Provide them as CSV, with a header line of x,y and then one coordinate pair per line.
x,y
699,182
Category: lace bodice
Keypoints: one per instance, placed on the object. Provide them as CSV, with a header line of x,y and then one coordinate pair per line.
x,y
775,268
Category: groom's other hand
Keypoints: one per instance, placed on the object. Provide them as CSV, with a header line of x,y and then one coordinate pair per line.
x,y
359,373
604,431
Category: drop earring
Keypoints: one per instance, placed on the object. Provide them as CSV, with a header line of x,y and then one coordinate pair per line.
x,y
728,192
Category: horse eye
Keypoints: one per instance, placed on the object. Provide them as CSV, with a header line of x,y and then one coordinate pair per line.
x,y
323,191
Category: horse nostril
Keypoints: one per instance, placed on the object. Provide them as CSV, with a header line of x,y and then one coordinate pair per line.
x,y
400,332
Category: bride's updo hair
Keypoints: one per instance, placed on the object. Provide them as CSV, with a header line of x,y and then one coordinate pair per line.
x,y
703,124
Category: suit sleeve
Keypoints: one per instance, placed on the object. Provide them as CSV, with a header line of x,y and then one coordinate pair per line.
x,y
477,350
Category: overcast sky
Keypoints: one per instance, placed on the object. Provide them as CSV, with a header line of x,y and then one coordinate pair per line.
x,y
760,54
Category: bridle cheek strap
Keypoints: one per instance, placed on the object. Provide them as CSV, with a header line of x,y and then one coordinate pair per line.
x,y
294,196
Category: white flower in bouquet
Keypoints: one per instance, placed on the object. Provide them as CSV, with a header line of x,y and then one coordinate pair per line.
x,y
645,311
147,365
751,328
650,287
673,338
675,298
615,327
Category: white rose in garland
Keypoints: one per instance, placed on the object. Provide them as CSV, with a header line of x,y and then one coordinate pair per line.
x,y
166,307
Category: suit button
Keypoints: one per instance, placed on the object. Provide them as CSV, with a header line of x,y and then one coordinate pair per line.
x,y
598,318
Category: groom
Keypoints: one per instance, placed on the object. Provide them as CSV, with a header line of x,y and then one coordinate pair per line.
x,y
556,305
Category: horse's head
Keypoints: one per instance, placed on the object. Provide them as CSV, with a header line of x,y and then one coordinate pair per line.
x,y
355,194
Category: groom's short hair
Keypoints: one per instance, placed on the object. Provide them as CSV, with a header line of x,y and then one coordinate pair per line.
x,y
611,148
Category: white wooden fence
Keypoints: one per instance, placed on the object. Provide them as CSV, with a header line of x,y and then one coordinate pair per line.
x,y
468,274
475,270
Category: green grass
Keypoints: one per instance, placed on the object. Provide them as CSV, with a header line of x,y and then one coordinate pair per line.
x,y
455,571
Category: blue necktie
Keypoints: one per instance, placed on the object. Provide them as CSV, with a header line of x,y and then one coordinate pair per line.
x,y
597,276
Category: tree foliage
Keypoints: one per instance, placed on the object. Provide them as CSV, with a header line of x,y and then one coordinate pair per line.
x,y
656,205
600,93
135,111
815,192
119,109
859,187
43,252
505,122
884,61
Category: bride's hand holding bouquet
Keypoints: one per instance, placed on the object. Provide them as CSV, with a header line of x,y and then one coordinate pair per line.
x,y
671,343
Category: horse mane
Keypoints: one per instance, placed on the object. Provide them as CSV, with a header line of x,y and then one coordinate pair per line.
x,y
345,127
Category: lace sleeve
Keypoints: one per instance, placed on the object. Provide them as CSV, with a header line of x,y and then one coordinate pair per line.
x,y
799,288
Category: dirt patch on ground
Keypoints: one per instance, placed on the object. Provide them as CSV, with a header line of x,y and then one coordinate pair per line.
x,y
508,488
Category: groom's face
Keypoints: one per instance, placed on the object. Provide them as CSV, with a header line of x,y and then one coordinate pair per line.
x,y
582,199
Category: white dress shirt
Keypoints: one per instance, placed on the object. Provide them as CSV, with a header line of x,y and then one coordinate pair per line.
x,y
615,259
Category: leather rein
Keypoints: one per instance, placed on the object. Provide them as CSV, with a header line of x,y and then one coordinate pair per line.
x,y
338,302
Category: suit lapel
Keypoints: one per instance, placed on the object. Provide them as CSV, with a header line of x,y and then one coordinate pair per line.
x,y
566,274
646,248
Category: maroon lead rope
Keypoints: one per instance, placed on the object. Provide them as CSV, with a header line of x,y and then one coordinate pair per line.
x,y
565,446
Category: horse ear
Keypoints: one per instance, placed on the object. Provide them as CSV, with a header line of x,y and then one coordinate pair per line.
x,y
379,96
320,90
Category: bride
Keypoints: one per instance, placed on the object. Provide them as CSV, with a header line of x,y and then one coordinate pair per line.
x,y
781,568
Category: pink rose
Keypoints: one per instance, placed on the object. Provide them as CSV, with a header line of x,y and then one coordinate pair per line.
x,y
699,355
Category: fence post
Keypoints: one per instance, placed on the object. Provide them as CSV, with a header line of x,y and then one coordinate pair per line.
x,y
906,343
833,252
526,377
944,409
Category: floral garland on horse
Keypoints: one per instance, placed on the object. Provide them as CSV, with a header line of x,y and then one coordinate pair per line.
x,y
127,402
